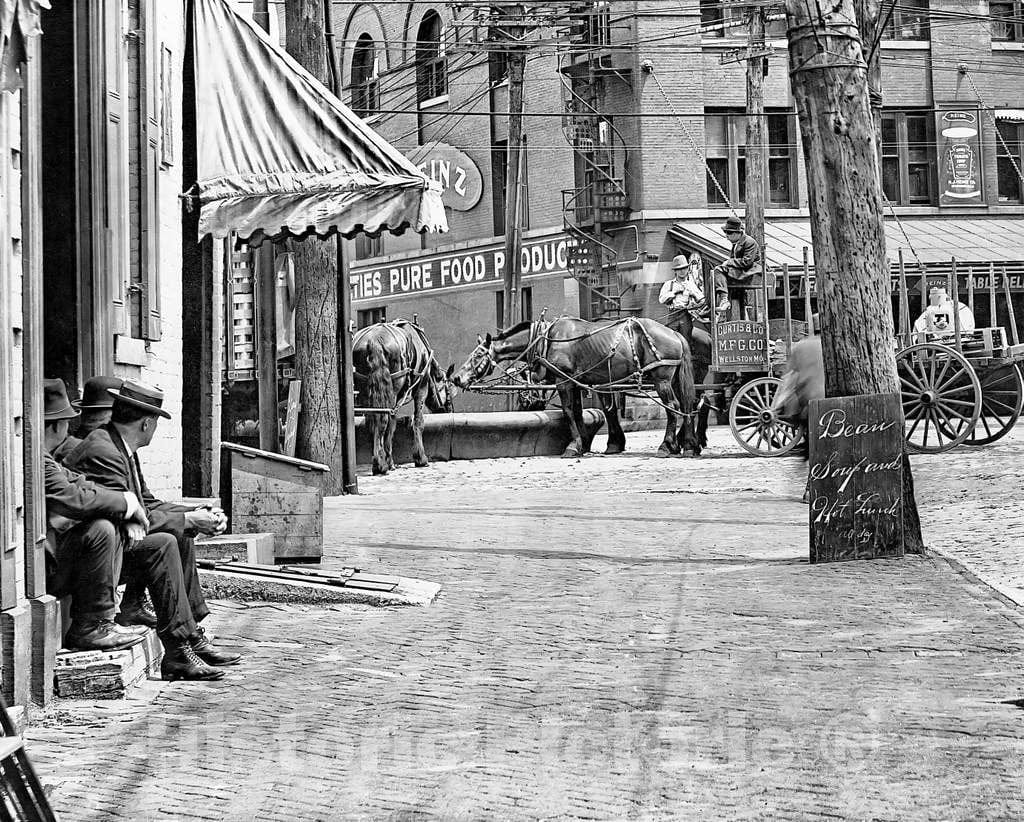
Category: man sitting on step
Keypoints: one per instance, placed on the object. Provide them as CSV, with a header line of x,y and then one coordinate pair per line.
x,y
84,537
109,457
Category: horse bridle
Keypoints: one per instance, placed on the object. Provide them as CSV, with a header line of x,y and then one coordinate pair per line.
x,y
483,366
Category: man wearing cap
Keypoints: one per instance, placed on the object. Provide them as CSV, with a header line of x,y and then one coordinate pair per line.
x,y
109,456
684,294
735,275
95,408
84,538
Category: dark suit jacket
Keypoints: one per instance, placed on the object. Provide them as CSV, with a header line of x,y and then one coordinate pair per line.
x,y
73,496
65,448
746,258
103,458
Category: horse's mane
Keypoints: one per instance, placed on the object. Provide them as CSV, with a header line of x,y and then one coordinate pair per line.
x,y
515,329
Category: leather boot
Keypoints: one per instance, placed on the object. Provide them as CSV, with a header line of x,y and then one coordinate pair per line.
x,y
208,652
181,662
100,635
137,612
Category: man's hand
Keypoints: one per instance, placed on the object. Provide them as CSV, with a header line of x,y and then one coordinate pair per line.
x,y
136,511
136,533
207,520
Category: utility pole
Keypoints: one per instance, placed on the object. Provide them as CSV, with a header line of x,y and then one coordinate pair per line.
x,y
265,304
320,434
756,160
830,84
513,30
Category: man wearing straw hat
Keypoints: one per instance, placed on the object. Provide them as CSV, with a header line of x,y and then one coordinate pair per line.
x,y
109,456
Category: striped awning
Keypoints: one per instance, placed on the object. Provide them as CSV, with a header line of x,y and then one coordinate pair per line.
x,y
280,156
18,19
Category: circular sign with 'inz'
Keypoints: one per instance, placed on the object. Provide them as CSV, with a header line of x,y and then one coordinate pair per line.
x,y
461,182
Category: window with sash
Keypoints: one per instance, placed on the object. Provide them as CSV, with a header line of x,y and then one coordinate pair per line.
x,y
725,137
1009,144
365,77
909,21
909,157
366,246
721,20
371,316
1007,20
431,64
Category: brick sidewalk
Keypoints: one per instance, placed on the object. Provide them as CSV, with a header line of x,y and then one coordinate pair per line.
x,y
618,638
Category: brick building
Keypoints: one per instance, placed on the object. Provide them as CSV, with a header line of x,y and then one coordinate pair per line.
x,y
635,150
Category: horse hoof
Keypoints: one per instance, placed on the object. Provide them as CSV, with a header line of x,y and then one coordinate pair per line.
x,y
422,463
570,453
379,471
663,453
615,449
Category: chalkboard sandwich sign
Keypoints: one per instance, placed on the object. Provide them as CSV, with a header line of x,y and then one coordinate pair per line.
x,y
856,477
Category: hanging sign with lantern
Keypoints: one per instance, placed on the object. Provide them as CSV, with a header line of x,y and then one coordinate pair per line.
x,y
960,171
461,183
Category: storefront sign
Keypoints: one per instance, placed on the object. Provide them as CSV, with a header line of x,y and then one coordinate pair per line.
x,y
981,277
740,343
460,269
460,179
856,477
960,171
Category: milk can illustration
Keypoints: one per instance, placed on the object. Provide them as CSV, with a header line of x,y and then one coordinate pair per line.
x,y
960,161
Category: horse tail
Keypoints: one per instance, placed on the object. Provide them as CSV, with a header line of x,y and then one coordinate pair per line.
x,y
685,390
380,390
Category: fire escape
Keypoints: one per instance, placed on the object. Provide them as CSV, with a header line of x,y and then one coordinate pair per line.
x,y
600,200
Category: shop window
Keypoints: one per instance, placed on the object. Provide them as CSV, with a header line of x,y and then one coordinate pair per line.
x,y
431,64
909,21
366,246
1007,20
725,137
365,77
726,19
371,316
908,158
1008,154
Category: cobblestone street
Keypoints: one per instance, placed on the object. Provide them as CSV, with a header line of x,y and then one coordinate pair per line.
x,y
617,638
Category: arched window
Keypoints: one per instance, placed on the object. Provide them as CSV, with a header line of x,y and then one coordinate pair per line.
x,y
365,86
431,69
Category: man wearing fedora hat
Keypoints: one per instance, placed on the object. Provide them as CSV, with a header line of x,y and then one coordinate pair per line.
x,y
95,407
84,536
736,274
109,456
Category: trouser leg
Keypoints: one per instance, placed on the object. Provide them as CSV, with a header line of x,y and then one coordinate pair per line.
x,y
196,598
88,567
157,562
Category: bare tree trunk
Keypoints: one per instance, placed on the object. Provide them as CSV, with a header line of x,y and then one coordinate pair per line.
x,y
830,84
316,278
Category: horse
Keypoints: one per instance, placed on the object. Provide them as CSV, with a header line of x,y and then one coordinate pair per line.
x,y
605,356
393,364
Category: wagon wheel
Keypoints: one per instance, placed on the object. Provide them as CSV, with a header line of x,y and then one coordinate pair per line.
x,y
757,428
1002,396
941,397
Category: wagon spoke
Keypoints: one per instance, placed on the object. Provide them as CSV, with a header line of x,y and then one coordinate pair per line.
x,y
945,368
913,428
949,401
914,387
957,375
985,425
992,402
952,412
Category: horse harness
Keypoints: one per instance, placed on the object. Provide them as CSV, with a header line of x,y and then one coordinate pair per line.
x,y
417,370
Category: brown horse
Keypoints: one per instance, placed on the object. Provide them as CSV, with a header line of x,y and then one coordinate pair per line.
x,y
605,356
394,364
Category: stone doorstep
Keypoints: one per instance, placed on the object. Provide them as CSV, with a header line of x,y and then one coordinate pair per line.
x,y
255,549
106,674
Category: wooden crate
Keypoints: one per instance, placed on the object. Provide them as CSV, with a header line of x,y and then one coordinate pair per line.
x,y
267,492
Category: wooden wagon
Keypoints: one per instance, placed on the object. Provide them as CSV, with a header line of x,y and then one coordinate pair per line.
x,y
957,386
